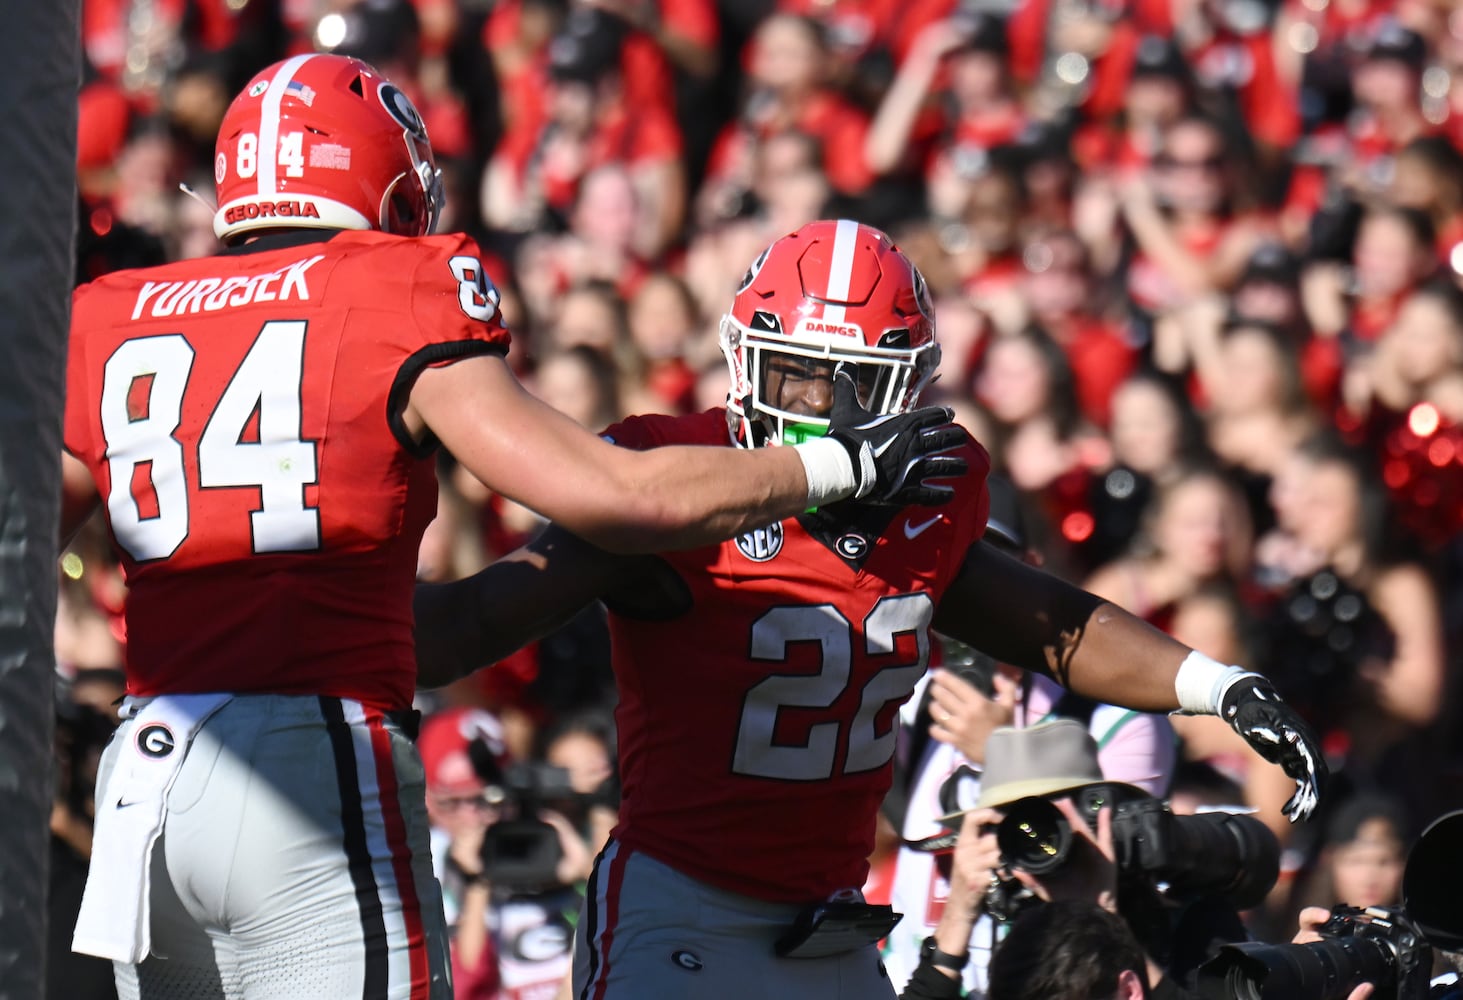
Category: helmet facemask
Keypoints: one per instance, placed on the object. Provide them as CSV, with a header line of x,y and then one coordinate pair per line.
x,y
889,378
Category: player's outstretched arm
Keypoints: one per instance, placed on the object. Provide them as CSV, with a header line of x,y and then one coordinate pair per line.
x,y
471,623
1031,619
665,498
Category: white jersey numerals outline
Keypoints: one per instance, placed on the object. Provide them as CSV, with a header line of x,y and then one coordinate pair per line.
x,y
757,754
280,464
477,296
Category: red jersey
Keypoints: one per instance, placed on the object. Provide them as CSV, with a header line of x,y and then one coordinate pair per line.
x,y
241,416
757,727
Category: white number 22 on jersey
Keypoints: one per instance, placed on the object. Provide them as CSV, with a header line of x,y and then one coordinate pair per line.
x,y
139,422
756,752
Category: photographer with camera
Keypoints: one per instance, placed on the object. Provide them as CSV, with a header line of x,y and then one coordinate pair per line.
x,y
510,866
1047,825
946,728
1384,952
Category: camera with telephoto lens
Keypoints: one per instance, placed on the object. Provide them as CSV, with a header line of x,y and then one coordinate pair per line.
x,y
1376,945
521,852
1389,947
1220,854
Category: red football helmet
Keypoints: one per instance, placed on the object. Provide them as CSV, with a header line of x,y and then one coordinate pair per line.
x,y
324,141
832,291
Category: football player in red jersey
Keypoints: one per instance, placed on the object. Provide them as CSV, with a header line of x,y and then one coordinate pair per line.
x,y
259,424
759,677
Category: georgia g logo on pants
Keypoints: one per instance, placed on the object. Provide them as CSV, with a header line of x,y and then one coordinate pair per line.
x,y
155,741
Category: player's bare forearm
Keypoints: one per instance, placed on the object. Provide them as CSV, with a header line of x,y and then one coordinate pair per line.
x,y
472,623
620,500
1026,617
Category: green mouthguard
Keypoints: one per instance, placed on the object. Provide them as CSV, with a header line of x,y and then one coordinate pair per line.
x,y
801,433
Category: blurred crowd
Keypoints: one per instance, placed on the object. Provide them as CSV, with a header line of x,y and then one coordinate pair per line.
x,y
1198,272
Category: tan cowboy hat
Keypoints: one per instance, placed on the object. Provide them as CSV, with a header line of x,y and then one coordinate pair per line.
x,y
1046,759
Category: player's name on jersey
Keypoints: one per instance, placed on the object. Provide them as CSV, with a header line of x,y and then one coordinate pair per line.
x,y
160,299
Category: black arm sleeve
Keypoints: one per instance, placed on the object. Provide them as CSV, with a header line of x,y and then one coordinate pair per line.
x,y
929,983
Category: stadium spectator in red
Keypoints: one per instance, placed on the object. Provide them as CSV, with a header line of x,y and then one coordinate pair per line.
x,y
989,202
1196,532
664,36
138,50
952,98
1428,176
103,120
516,36
1082,59
391,35
1186,217
1318,49
460,814
536,172
1393,255
1233,56
787,89
1333,507
609,228
859,30
1122,144
665,327
1356,158
1061,290
1026,382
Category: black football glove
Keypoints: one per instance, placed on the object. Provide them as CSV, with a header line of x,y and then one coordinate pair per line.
x,y
896,456
1253,709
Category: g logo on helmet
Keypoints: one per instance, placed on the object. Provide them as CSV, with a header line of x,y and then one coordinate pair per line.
x,y
753,271
155,741
400,107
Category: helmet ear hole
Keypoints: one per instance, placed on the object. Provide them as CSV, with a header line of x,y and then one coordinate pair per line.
x,y
401,213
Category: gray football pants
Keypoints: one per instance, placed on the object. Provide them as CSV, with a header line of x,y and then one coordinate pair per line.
x,y
294,861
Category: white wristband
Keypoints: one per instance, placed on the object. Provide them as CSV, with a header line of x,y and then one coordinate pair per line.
x,y
829,470
1201,683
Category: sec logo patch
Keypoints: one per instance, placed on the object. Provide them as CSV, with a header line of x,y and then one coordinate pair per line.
x,y
762,544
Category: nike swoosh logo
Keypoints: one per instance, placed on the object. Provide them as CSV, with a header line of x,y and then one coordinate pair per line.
x,y
879,451
912,530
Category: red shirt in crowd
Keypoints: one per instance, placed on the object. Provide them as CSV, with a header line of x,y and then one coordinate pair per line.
x,y
857,27
633,138
837,125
